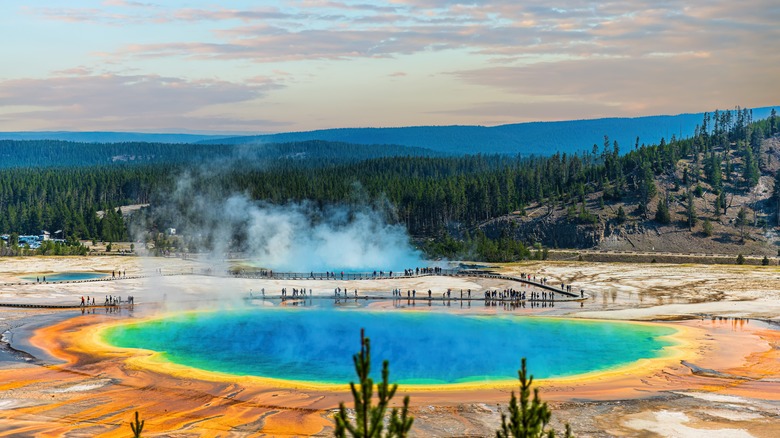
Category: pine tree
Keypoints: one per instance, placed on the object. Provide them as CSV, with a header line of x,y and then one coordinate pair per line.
x,y
706,227
369,420
662,214
750,173
776,195
690,212
621,215
741,222
647,187
717,205
138,426
529,418
714,173
727,174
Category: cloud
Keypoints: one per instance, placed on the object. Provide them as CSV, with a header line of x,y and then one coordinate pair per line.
x,y
119,13
74,71
501,29
128,4
638,56
84,15
644,85
112,101
220,14
321,29
268,44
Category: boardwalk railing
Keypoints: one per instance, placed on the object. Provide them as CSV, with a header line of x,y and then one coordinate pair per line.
x,y
378,275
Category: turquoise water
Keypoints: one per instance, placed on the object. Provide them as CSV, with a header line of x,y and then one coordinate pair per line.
x,y
67,276
423,347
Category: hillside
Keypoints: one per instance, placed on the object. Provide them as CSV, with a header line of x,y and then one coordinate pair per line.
x,y
108,137
534,138
562,226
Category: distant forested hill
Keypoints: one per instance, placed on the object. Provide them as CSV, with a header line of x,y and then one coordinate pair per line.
x,y
108,137
535,138
54,153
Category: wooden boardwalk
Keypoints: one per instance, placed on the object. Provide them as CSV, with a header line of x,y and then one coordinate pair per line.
x,y
569,296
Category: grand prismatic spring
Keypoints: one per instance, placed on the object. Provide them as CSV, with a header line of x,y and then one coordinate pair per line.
x,y
424,347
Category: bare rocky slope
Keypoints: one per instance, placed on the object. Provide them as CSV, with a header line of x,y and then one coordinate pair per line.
x,y
555,227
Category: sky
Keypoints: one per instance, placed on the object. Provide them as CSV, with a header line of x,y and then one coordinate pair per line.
x,y
273,66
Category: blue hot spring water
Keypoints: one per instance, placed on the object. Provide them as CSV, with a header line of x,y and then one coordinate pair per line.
x,y
317,345
67,276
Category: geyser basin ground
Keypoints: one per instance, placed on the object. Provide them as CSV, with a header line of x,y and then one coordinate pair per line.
x,y
424,348
96,388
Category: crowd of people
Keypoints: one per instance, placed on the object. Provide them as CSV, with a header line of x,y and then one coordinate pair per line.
x,y
490,295
339,293
517,295
110,300
422,271
296,293
333,275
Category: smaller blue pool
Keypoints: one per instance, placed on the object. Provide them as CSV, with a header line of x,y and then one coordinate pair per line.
x,y
66,276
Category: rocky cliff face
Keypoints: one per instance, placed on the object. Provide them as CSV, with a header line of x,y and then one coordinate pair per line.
x,y
550,232
559,232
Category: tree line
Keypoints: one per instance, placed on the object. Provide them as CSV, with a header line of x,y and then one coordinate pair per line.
x,y
438,198
57,153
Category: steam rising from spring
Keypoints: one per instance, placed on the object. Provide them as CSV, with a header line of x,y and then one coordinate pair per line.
x,y
299,237
292,237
